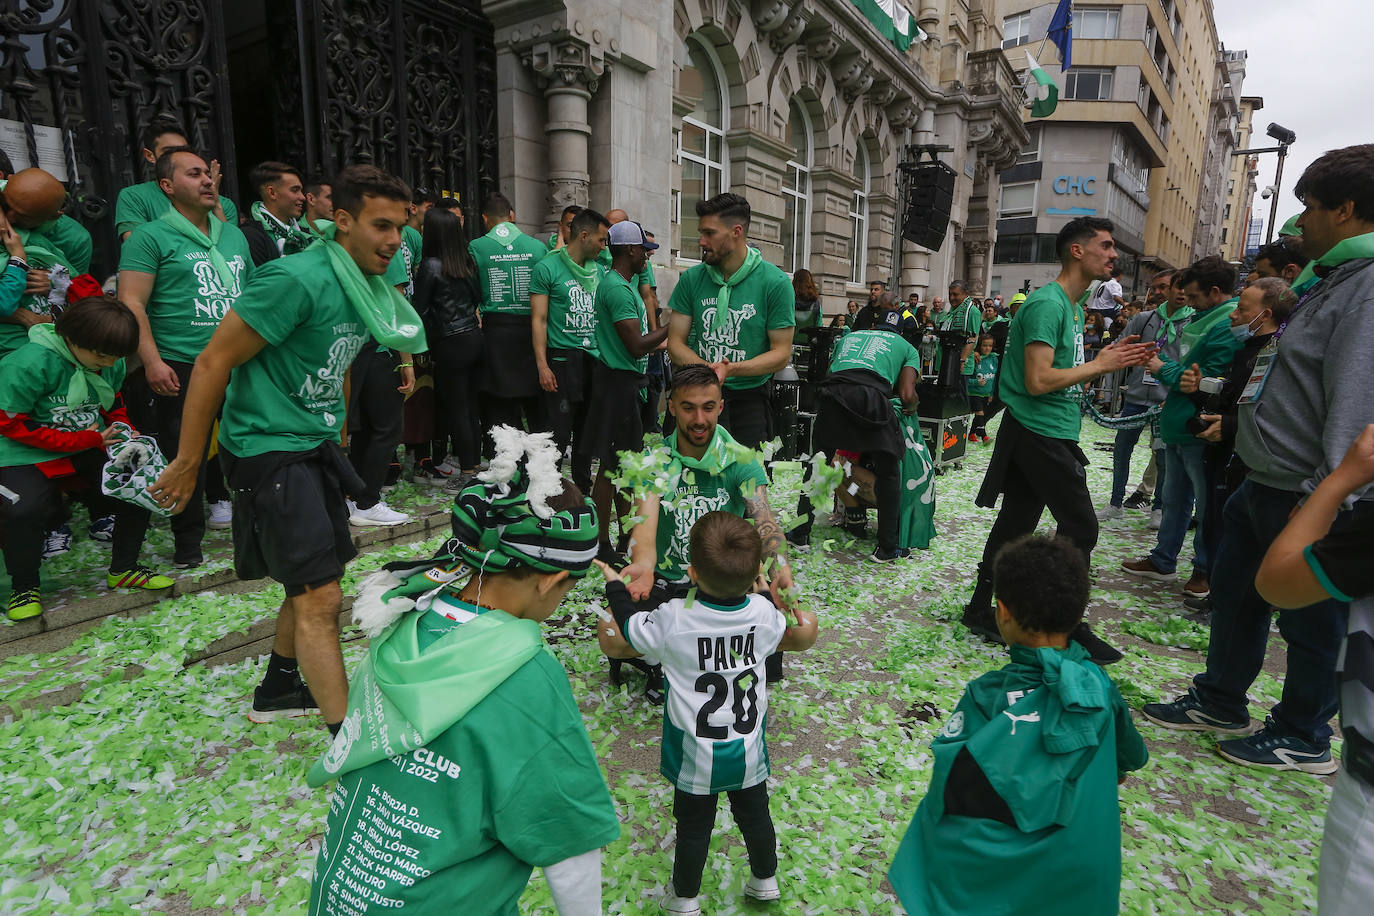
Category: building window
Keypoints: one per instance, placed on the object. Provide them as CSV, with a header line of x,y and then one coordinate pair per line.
x,y
1094,85
1223,235
700,142
1089,23
858,218
1016,200
1031,151
1016,30
796,193
1024,249
1227,213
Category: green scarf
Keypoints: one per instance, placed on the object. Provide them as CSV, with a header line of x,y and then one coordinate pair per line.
x,y
504,234
294,239
209,242
84,380
1169,319
586,275
387,314
403,696
720,453
37,251
1359,246
916,522
752,259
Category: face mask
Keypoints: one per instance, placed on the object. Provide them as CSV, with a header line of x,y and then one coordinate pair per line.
x,y
1245,331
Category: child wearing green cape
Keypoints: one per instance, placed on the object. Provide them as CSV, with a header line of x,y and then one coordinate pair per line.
x,y
1022,814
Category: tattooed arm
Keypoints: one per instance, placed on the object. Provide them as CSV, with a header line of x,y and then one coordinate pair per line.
x,y
766,524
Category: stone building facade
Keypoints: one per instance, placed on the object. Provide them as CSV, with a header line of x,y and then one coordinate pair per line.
x,y
1240,188
803,106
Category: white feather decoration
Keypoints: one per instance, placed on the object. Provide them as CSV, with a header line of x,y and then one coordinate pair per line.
x,y
371,613
541,465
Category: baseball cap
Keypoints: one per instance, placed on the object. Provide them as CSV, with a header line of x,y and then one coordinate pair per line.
x,y
628,232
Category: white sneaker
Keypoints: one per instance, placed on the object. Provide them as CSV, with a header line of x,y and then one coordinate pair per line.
x,y
1107,513
681,906
380,514
1156,519
762,888
221,515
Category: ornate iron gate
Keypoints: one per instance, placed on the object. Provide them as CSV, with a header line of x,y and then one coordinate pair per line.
x,y
408,84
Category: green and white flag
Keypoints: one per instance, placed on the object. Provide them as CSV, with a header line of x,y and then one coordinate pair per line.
x,y
892,19
1042,93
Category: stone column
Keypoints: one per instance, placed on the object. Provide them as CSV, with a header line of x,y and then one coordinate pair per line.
x,y
569,72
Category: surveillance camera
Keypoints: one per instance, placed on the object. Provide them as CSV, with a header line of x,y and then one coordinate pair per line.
x,y
1267,193
1282,134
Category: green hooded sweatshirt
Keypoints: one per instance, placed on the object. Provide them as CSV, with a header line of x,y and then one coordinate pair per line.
x,y
462,763
1208,342
1044,740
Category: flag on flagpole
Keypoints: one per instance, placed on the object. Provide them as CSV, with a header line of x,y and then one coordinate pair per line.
x,y
1041,90
1061,32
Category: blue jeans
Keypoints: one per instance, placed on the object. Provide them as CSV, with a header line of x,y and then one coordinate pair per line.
x,y
1254,516
1185,490
1121,458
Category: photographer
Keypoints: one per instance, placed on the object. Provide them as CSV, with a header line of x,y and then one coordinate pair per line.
x,y
1208,345
1262,307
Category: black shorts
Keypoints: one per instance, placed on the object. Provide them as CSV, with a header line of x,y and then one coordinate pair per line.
x,y
290,518
509,370
613,422
747,416
572,370
977,402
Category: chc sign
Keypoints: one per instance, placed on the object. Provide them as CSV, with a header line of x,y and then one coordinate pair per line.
x,y
1075,184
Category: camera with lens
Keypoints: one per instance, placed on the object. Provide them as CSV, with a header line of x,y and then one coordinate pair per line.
x,y
1210,391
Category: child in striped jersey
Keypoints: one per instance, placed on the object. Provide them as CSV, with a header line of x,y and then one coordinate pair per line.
x,y
712,645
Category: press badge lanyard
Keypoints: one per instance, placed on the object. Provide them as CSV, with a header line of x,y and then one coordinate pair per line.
x,y
1265,361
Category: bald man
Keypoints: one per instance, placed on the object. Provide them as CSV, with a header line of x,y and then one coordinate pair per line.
x,y
648,286
56,248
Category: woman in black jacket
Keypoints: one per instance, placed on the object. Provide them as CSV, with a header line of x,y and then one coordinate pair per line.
x,y
447,299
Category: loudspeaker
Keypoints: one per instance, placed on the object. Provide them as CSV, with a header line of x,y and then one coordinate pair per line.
x,y
932,198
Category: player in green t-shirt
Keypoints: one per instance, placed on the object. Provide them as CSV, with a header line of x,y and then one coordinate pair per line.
x,y
561,234
623,343
289,341
644,281
855,414
563,331
59,406
463,762
736,313
179,275
967,317
505,259
982,385
1036,462
143,203
706,470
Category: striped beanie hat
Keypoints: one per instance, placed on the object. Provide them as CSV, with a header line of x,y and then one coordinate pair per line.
x,y
503,521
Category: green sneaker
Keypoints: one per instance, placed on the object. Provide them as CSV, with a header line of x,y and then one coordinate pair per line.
x,y
24,605
138,577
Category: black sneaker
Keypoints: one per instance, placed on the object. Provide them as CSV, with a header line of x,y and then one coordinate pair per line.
x,y
798,540
1272,750
653,687
1137,501
981,622
1199,610
610,556
1099,650
1189,715
292,704
887,556
616,677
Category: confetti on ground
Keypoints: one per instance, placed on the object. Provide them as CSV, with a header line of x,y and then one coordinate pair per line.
x,y
151,792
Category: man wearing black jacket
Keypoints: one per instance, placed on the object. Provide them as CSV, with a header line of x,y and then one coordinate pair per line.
x,y
1263,306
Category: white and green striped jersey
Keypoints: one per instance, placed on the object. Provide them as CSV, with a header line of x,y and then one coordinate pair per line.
x,y
717,700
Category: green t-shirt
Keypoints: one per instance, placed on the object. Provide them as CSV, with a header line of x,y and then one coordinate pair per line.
x,y
616,301
401,271
984,374
143,203
459,824
882,352
645,276
33,381
572,310
762,302
62,242
74,240
1047,316
289,397
505,259
698,492
188,299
